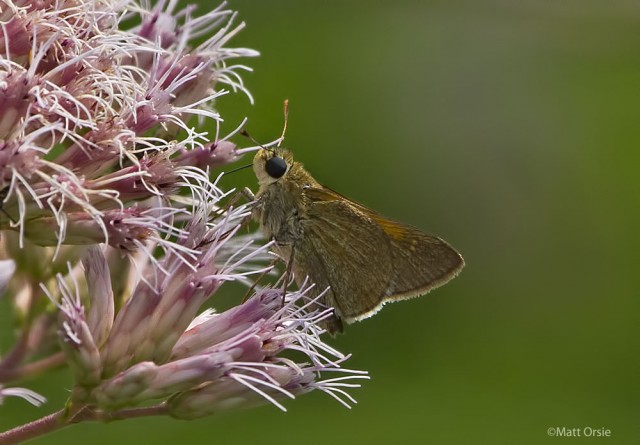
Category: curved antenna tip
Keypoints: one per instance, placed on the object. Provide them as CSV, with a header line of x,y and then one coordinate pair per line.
x,y
286,120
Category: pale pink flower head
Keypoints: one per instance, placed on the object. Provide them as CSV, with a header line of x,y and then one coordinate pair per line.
x,y
98,118
115,235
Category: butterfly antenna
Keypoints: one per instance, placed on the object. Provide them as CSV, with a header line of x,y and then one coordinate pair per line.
x,y
286,120
246,134
238,169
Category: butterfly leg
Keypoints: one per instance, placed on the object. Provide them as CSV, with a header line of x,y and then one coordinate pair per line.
x,y
244,193
286,277
287,273
247,193
260,278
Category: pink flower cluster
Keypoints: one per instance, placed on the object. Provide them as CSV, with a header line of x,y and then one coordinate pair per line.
x,y
114,238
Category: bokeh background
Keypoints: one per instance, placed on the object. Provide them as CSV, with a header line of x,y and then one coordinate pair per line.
x,y
512,130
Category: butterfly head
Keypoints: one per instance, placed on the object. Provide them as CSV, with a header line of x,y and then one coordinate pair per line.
x,y
271,165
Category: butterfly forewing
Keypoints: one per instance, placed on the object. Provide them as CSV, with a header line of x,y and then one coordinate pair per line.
x,y
362,252
400,261
421,262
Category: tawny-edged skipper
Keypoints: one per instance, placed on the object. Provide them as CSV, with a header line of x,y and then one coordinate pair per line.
x,y
364,259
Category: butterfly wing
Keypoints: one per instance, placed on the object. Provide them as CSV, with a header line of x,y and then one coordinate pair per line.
x,y
366,259
421,261
347,251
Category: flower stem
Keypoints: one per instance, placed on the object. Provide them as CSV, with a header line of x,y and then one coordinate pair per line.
x,y
39,427
32,369
61,419
12,358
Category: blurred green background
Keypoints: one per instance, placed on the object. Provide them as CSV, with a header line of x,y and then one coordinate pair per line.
x,y
510,129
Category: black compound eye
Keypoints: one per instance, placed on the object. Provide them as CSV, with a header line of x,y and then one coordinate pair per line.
x,y
276,167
